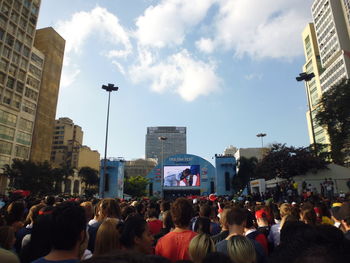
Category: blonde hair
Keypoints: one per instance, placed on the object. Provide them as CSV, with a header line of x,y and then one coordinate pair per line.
x,y
107,237
200,246
285,209
241,250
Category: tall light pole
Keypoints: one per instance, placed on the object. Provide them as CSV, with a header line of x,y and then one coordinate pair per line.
x,y
162,139
307,77
261,135
109,88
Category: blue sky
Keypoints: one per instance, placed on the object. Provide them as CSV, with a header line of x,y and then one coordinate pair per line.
x,y
225,69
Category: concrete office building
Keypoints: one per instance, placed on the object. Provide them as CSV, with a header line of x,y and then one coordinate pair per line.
x,y
175,142
21,67
52,46
139,167
313,88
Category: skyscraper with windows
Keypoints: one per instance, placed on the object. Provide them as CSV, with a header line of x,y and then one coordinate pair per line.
x,y
327,53
164,141
22,75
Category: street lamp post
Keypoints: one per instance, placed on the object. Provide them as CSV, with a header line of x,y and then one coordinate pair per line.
x,y
162,139
109,88
261,135
307,77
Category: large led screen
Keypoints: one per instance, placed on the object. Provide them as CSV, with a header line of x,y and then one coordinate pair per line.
x,y
188,175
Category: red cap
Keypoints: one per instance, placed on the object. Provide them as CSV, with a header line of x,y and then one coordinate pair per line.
x,y
260,214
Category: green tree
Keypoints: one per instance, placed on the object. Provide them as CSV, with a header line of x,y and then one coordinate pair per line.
x,y
286,162
135,186
35,177
246,171
90,178
334,115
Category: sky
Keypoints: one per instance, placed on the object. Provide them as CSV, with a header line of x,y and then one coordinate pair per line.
x,y
225,69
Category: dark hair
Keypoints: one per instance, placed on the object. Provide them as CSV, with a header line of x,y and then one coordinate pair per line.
x,y
50,200
68,221
120,257
181,212
133,227
202,225
205,210
165,206
295,230
309,216
127,211
40,240
110,208
168,221
7,235
236,216
15,212
157,259
250,218
216,257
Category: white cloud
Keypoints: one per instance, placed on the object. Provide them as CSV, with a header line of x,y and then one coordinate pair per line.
x,y
205,45
167,23
253,76
97,23
119,67
179,73
261,29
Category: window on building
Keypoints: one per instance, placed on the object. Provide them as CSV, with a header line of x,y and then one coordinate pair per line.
x,y
7,97
22,151
11,28
6,52
12,70
25,125
37,60
21,75
23,23
14,16
15,58
2,33
29,93
28,107
16,102
24,64
5,147
6,133
10,83
2,78
32,82
19,87
5,9
23,138
3,65
18,46
35,71
26,51
10,40
8,118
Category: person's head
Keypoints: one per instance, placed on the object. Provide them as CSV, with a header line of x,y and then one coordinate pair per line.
x,y
15,212
89,210
136,235
200,246
294,230
167,220
164,206
287,218
241,249
308,216
34,212
250,219
285,209
109,207
236,216
68,226
181,212
261,218
344,216
7,237
121,257
223,218
205,211
202,225
127,211
107,237
50,200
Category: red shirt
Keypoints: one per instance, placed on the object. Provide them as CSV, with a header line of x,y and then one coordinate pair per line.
x,y
174,245
155,226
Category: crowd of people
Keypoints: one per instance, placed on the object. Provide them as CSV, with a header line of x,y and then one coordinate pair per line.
x,y
54,230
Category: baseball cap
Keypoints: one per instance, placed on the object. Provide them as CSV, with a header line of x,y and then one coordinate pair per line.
x,y
260,214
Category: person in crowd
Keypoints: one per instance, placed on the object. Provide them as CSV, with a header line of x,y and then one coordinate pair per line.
x,y
136,235
7,256
89,210
107,237
236,220
68,234
155,225
7,237
15,215
216,257
202,225
127,211
308,215
274,235
251,232
200,246
122,257
241,249
168,225
224,227
109,208
96,218
27,229
344,216
164,206
262,222
174,245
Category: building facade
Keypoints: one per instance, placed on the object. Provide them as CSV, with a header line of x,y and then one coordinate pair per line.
x,y
112,182
21,67
139,167
51,44
173,142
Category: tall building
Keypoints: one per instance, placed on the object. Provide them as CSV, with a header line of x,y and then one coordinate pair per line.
x,y
51,44
68,149
21,67
139,167
313,88
327,53
164,141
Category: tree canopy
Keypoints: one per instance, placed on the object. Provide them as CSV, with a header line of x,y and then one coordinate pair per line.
x,y
135,186
90,178
334,115
286,162
246,171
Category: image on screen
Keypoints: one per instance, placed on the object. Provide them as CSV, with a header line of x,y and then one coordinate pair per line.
x,y
187,175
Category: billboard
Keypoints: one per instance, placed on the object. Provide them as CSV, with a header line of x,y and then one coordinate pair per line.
x,y
182,176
